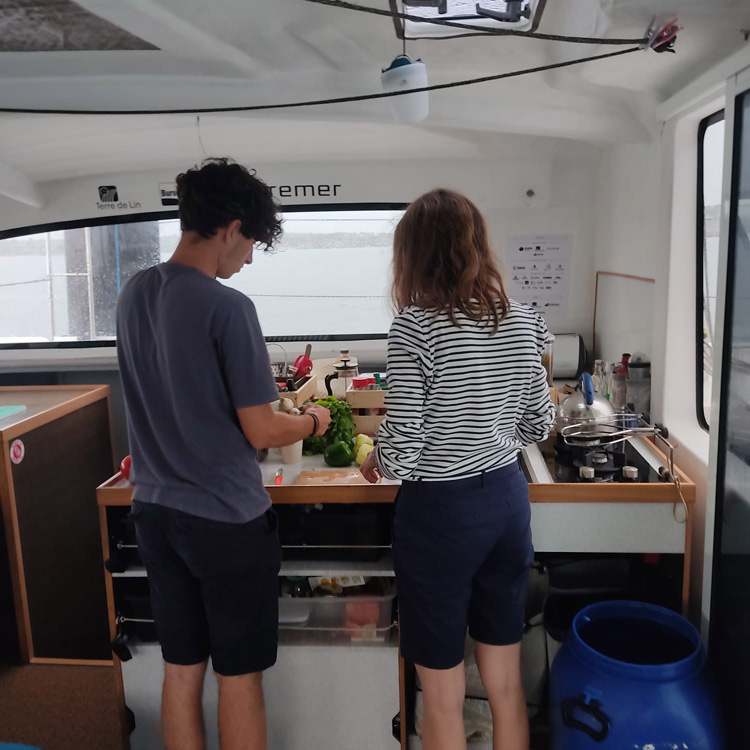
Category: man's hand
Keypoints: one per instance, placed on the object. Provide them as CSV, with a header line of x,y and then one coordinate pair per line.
x,y
369,468
323,415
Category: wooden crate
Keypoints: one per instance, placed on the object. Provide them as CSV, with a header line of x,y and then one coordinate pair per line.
x,y
307,391
367,425
366,399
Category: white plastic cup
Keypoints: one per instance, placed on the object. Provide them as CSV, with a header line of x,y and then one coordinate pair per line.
x,y
292,454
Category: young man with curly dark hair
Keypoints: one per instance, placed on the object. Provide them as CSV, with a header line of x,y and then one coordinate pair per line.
x,y
198,390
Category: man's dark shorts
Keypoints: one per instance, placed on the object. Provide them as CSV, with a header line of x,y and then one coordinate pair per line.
x,y
214,587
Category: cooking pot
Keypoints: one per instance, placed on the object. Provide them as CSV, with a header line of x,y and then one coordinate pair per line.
x,y
585,407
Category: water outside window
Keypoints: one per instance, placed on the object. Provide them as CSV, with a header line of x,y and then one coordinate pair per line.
x,y
329,275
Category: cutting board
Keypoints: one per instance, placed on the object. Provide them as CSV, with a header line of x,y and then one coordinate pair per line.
x,y
331,476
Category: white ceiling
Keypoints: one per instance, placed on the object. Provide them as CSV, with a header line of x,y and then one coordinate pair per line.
x,y
241,52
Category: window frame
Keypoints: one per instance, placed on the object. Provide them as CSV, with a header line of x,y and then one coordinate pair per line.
x,y
174,214
700,405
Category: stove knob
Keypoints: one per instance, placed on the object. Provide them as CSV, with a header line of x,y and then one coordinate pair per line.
x,y
586,472
630,473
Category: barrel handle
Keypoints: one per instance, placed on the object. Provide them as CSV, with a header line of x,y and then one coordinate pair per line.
x,y
570,705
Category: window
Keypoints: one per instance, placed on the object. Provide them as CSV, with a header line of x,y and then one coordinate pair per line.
x,y
518,15
329,276
710,173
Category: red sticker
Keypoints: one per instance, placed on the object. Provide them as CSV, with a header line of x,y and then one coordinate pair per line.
x,y
17,451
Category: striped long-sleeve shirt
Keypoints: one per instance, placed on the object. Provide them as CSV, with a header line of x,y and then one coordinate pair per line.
x,y
462,399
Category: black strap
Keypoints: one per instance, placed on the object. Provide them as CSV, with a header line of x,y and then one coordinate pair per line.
x,y
316,423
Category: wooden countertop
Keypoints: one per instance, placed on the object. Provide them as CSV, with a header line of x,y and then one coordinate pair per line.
x,y
43,404
118,491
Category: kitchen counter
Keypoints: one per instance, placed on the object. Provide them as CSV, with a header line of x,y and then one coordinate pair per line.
x,y
632,517
542,488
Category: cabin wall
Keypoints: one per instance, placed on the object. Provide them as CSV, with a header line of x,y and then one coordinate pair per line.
x,y
564,190
646,208
562,176
627,243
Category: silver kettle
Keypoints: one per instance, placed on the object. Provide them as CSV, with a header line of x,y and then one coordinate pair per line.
x,y
584,407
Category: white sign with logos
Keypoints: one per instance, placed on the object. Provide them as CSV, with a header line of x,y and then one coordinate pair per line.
x,y
539,272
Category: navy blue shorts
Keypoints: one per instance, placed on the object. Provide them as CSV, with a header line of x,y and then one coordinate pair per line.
x,y
214,587
461,551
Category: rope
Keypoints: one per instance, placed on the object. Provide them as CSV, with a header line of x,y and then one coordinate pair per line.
x,y
320,102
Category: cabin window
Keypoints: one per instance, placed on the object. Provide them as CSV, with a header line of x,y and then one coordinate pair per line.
x,y
518,15
710,173
329,276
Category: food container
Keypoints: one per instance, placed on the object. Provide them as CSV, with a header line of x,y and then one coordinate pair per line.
x,y
294,613
360,616
547,357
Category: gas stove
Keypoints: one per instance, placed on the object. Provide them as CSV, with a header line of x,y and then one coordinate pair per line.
x,y
630,461
601,463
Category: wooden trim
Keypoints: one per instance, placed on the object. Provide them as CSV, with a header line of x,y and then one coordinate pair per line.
x,y
110,494
72,662
89,395
115,463
104,528
38,388
687,562
13,538
616,492
117,664
645,279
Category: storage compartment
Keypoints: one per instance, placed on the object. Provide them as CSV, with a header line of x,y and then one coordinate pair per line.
x,y
343,532
133,609
123,551
362,616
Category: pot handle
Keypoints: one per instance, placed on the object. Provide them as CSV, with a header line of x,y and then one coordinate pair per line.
x,y
587,386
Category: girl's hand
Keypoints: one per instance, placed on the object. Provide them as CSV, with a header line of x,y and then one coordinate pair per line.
x,y
369,468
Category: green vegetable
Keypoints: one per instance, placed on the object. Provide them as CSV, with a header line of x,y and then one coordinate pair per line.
x,y
339,454
341,428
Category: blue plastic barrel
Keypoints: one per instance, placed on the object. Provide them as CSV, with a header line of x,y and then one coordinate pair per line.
x,y
632,675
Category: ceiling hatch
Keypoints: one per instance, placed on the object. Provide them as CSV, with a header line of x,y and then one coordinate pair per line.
x,y
516,15
60,25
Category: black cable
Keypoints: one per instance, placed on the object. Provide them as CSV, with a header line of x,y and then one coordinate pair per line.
x,y
317,102
470,27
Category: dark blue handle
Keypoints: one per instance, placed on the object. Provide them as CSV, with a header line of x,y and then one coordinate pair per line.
x,y
587,385
569,706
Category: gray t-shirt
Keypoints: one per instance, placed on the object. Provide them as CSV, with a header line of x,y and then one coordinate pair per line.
x,y
191,353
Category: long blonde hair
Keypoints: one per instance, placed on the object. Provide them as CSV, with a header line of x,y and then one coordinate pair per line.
x,y
442,259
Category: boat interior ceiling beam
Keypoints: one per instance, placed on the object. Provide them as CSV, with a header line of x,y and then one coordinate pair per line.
x,y
18,187
706,87
179,34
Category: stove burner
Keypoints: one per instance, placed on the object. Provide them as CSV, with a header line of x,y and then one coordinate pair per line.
x,y
591,463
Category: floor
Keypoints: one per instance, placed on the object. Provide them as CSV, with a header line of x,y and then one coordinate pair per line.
x,y
72,708
59,707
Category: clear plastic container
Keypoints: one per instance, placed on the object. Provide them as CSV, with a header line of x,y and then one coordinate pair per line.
x,y
547,358
618,390
352,616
